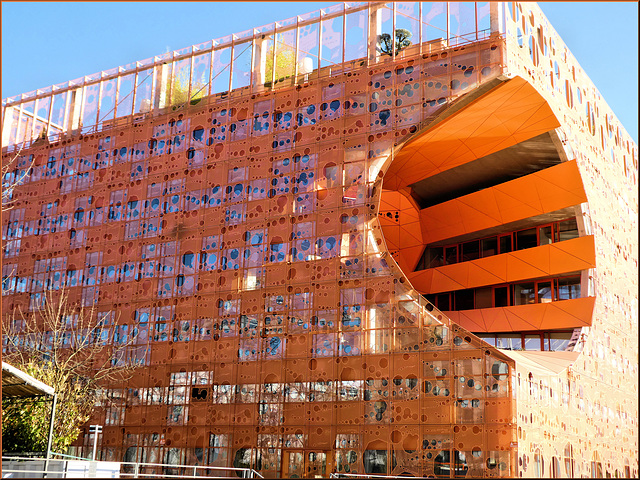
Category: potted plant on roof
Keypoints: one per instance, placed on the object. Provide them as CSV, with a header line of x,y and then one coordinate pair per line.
x,y
386,44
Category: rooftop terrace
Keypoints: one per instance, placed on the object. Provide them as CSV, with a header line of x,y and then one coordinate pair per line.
x,y
277,55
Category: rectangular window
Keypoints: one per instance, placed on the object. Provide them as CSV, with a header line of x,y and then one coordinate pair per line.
x,y
510,342
567,229
489,247
557,341
501,296
464,299
523,293
526,239
568,288
375,461
490,339
442,302
451,255
532,342
546,235
470,251
436,257
544,292
505,244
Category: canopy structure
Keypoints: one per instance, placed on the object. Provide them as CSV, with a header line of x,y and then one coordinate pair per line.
x,y
18,384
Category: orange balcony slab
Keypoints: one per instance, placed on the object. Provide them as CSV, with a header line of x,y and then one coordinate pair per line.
x,y
543,261
563,314
542,192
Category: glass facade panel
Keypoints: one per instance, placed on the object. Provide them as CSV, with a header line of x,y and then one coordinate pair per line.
x,y
545,234
523,293
470,251
464,300
568,229
568,288
489,247
532,342
558,342
451,255
501,296
505,244
526,239
545,293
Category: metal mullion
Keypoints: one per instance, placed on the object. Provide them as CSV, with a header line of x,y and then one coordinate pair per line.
x,y
420,27
99,104
171,80
211,69
475,9
393,33
81,116
50,113
320,23
135,90
448,28
190,78
233,52
116,98
273,53
344,33
369,37
253,59
19,123
33,120
154,83
296,61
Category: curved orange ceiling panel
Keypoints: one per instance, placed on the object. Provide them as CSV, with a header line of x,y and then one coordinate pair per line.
x,y
508,114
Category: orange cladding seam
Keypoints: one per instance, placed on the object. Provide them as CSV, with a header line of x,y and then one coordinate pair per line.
x,y
541,316
541,192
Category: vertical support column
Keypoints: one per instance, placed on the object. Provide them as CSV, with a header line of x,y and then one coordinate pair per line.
x,y
19,132
448,39
233,52
252,82
80,108
320,23
50,440
295,54
74,108
189,91
375,27
162,90
274,55
393,33
344,34
259,61
420,27
7,124
48,125
496,17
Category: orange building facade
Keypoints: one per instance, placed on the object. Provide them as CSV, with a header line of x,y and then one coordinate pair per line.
x,y
340,254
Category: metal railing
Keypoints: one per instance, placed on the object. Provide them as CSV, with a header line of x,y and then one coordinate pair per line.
x,y
27,467
373,475
142,470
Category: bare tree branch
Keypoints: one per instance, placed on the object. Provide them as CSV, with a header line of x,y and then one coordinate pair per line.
x,y
74,349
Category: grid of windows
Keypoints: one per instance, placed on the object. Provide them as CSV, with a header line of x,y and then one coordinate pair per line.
x,y
509,295
504,243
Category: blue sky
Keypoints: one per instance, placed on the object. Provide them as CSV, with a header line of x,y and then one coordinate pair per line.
x,y
44,43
